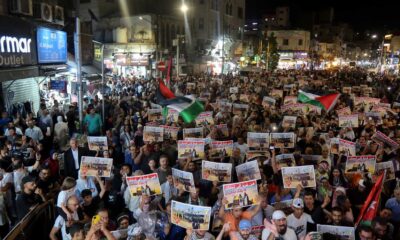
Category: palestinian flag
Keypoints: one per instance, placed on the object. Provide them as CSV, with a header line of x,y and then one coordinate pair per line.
x,y
371,205
187,106
326,102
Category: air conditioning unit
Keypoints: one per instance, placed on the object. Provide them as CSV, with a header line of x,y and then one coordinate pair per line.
x,y
43,11
21,7
59,15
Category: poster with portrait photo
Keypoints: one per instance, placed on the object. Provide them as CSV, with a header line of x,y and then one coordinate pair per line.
x,y
290,100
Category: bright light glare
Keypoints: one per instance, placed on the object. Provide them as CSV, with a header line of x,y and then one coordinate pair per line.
x,y
184,8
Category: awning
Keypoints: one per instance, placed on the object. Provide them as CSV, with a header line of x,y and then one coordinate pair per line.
x,y
18,73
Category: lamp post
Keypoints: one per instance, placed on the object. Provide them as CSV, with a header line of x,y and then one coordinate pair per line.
x,y
156,39
184,8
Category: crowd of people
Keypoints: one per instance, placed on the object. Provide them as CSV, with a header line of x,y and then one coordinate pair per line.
x,y
40,159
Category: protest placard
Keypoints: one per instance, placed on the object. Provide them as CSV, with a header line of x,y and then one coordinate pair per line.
x,y
277,93
346,90
183,180
222,129
344,111
339,232
241,194
248,171
375,118
388,143
360,164
153,134
283,140
285,160
268,101
348,121
221,149
97,143
244,98
155,115
381,167
193,132
144,185
347,148
92,166
190,216
233,90
205,119
194,149
293,176
240,109
213,171
289,121
172,115
257,140
170,133
258,155
290,100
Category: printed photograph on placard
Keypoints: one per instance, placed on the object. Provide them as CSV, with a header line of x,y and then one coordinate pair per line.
x,y
170,133
193,132
258,155
222,129
334,145
268,101
289,121
248,171
225,106
190,216
183,180
283,140
347,148
285,160
257,140
244,98
155,115
293,176
339,232
153,134
380,169
92,166
97,143
348,121
144,185
360,164
374,117
194,149
221,149
213,171
172,115
240,109
205,119
344,111
241,194
290,100
277,93
388,144
233,90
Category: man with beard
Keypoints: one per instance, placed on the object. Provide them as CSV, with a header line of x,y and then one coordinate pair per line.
x,y
30,196
243,233
277,229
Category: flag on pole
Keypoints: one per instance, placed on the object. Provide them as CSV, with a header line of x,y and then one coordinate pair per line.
x,y
169,71
326,102
371,205
187,106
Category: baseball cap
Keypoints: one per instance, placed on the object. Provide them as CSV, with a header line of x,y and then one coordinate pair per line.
x,y
298,203
278,214
244,224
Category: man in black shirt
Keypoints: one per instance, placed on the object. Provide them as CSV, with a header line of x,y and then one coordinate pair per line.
x,y
314,207
91,204
47,183
29,197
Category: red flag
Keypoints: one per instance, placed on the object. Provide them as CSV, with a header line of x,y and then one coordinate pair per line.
x,y
169,71
164,90
370,207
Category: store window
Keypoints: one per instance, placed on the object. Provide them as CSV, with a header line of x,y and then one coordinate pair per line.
x,y
285,42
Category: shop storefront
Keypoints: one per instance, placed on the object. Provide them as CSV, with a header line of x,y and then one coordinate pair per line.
x,y
293,60
18,66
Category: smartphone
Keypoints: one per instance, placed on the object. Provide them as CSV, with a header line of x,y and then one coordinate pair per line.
x,y
95,219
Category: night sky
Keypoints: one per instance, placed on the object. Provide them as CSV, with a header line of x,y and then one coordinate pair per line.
x,y
362,15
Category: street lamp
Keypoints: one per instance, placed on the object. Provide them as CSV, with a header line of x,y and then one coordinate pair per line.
x,y
374,36
184,8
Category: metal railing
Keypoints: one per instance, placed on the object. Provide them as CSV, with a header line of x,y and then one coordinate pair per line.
x,y
36,224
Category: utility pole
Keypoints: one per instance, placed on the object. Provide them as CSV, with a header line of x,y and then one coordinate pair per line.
x,y
178,41
223,43
78,60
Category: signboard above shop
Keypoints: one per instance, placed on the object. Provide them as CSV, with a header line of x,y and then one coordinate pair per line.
x,y
17,45
52,46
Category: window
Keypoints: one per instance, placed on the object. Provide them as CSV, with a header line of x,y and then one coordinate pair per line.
x,y
285,42
300,42
240,12
201,23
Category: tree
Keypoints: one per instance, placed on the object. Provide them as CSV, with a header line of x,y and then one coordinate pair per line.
x,y
272,53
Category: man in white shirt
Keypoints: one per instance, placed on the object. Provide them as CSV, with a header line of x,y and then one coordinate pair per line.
x,y
242,146
298,219
33,132
60,223
277,228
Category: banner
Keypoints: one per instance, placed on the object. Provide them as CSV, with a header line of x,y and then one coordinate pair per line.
x,y
144,185
248,171
241,194
289,122
257,140
220,172
283,140
193,132
360,164
221,149
153,134
170,133
388,143
97,143
183,180
339,232
190,216
348,121
92,166
285,160
290,100
205,119
154,115
195,149
293,176
240,109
